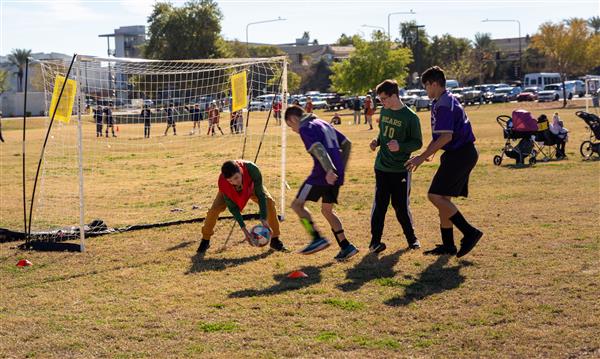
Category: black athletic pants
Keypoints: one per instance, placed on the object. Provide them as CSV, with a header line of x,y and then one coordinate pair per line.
x,y
394,186
146,129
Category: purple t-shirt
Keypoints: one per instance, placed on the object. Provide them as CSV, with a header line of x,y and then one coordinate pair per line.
x,y
448,116
313,131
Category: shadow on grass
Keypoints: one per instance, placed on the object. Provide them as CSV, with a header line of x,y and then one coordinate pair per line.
x,y
434,279
370,268
181,245
202,264
284,283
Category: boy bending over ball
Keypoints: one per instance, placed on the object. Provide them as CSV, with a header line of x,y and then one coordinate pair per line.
x,y
239,182
330,150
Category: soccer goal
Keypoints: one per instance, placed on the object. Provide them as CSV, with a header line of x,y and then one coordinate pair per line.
x,y
147,139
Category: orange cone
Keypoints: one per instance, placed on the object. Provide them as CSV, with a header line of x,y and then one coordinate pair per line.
x,y
117,128
297,274
24,263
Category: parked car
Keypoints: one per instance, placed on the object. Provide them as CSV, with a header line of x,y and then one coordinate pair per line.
x,y
412,96
334,101
317,101
529,94
552,92
575,87
471,95
506,94
457,93
487,92
422,102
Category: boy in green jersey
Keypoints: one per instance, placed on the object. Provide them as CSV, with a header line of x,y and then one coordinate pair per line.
x,y
399,135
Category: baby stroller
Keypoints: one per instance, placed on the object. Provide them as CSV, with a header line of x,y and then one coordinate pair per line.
x,y
591,146
533,137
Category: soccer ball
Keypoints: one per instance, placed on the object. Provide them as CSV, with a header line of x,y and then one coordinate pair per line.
x,y
260,236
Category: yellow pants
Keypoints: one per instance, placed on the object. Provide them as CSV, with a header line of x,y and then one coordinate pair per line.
x,y
219,206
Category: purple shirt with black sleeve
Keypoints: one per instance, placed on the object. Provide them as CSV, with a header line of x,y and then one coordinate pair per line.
x,y
312,131
448,116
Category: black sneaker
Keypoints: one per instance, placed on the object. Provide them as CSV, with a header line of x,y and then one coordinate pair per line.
x,y
468,243
278,245
377,248
441,250
204,245
414,245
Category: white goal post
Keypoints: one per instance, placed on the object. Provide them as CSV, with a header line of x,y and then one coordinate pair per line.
x,y
135,167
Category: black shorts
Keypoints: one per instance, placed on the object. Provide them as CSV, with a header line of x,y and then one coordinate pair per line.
x,y
452,177
309,192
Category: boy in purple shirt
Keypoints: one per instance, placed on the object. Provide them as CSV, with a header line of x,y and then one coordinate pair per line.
x,y
330,150
452,132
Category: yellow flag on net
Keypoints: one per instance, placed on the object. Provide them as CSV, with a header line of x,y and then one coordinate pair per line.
x,y
65,107
239,91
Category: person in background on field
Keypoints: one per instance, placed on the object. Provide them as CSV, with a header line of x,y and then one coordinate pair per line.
x,y
213,119
109,119
369,111
98,114
1,138
196,114
308,108
145,115
236,123
356,107
171,111
277,111
557,128
336,119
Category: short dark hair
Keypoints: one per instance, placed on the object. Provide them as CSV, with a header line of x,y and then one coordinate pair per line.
x,y
229,169
389,87
434,74
293,110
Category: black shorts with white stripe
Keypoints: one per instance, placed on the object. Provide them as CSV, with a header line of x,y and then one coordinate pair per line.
x,y
309,192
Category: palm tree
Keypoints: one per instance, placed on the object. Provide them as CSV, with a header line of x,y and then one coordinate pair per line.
x,y
18,57
594,23
484,53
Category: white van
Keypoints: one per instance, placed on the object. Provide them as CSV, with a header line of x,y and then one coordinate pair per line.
x,y
541,79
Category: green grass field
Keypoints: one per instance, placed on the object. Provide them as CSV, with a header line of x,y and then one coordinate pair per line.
x,y
531,287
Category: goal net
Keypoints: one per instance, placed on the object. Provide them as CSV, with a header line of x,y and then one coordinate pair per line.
x,y
152,136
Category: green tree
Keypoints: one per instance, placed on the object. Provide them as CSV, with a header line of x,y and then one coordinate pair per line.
x,y
416,39
318,77
188,32
447,49
239,49
346,40
594,23
571,49
18,57
372,62
483,52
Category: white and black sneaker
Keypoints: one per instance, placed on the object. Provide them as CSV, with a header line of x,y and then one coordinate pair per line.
x,y
377,248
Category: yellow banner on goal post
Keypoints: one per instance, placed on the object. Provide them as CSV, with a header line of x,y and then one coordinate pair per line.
x,y
239,91
65,107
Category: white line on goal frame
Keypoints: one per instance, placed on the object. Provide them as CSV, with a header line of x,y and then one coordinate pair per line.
x,y
80,156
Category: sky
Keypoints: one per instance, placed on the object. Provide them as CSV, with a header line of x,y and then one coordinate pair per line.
x,y
73,26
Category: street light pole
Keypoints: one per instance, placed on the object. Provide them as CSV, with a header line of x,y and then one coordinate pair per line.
x,y
260,22
520,49
397,13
